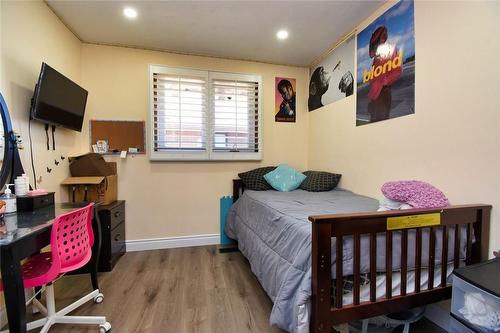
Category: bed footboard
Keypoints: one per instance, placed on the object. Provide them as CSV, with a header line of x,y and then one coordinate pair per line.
x,y
328,309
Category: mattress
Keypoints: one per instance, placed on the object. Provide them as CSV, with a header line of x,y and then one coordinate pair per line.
x,y
274,234
380,282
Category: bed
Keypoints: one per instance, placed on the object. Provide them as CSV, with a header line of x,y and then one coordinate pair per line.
x,y
292,239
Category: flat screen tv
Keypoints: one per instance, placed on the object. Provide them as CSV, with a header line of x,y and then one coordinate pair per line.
x,y
58,100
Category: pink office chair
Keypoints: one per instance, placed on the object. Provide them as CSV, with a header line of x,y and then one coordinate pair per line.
x,y
71,248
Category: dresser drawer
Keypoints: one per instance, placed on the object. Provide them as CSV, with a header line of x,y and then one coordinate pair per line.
x,y
117,215
113,214
118,238
113,229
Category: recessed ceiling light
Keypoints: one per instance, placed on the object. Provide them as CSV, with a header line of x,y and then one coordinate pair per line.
x,y
130,12
282,34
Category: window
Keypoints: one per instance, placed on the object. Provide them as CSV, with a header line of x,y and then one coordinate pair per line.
x,y
201,115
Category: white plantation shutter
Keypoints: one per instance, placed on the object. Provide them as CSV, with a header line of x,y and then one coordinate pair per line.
x,y
179,100
235,122
191,121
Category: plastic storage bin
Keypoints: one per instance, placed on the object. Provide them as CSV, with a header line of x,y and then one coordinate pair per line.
x,y
458,327
476,296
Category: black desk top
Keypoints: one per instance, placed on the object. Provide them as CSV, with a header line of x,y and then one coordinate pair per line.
x,y
23,224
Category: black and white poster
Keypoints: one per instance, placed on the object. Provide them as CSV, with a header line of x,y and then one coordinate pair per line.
x,y
332,79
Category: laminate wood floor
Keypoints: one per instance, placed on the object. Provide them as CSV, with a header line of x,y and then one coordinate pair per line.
x,y
178,290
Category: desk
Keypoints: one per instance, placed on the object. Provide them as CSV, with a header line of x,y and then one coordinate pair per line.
x,y
29,232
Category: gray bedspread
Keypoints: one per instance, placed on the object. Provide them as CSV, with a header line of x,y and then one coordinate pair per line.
x,y
274,234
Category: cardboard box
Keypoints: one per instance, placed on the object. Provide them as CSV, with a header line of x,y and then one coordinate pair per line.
x,y
98,189
103,189
91,164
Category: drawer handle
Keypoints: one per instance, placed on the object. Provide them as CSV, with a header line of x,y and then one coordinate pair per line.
x,y
117,214
117,237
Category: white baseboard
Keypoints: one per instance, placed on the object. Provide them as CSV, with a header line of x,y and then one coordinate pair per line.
x,y
438,315
171,242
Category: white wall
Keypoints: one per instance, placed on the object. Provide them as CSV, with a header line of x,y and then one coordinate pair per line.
x,y
31,34
167,199
453,139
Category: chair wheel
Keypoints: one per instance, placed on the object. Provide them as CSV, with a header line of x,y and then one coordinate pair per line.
x,y
106,327
99,298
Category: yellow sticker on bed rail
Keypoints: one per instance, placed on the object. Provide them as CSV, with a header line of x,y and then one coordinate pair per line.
x,y
413,221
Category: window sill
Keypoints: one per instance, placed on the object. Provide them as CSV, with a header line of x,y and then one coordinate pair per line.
x,y
203,157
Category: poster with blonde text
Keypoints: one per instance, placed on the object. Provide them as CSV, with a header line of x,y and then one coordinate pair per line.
x,y
386,66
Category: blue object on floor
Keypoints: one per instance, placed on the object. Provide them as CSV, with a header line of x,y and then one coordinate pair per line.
x,y
225,204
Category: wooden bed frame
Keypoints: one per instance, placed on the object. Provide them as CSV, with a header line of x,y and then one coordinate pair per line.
x,y
326,313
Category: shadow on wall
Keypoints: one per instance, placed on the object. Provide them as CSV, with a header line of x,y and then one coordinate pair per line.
x,y
20,104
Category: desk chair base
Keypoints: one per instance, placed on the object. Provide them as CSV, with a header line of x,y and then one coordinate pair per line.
x,y
60,317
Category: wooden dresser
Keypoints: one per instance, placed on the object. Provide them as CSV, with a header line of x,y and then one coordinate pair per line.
x,y
112,218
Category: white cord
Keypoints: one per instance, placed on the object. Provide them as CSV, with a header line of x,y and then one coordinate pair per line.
x,y
41,290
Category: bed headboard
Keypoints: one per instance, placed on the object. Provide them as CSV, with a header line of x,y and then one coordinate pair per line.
x,y
238,189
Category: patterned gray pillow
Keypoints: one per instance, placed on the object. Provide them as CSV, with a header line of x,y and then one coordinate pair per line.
x,y
254,179
320,181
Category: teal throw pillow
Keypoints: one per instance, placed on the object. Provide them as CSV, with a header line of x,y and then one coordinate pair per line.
x,y
284,178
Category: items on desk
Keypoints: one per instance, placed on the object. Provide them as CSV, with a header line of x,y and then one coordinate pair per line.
x,y
21,185
10,200
34,200
39,191
3,229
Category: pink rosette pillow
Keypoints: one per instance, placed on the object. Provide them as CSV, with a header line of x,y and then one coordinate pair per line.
x,y
415,193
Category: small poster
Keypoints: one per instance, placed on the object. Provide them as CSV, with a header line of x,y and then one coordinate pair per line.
x,y
284,100
332,79
386,66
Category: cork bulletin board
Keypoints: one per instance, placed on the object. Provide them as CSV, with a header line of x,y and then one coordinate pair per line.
x,y
120,134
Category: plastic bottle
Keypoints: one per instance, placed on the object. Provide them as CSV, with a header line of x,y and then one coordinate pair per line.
x,y
10,200
20,186
26,182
